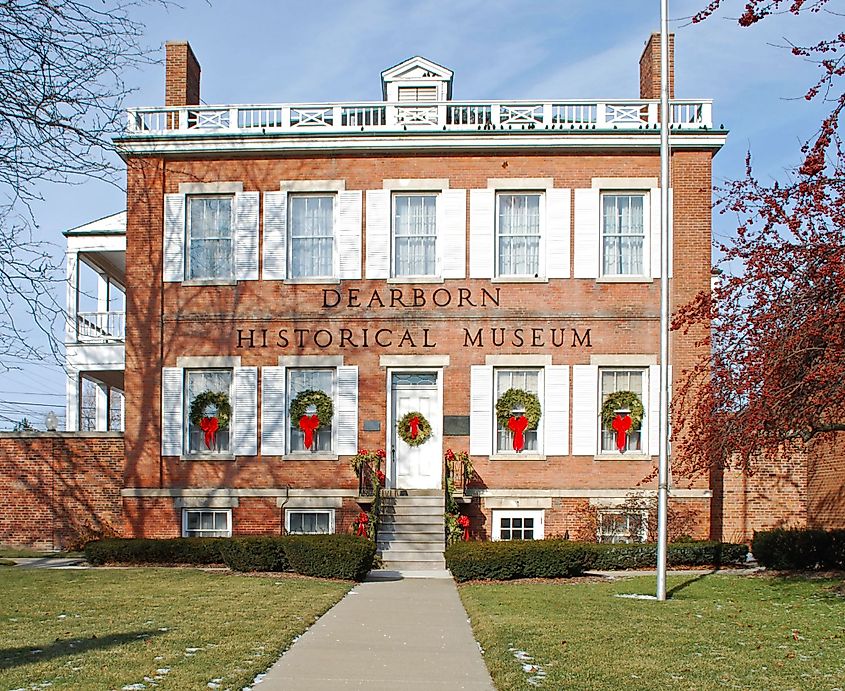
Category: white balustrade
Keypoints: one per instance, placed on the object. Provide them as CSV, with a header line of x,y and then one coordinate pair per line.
x,y
97,327
449,115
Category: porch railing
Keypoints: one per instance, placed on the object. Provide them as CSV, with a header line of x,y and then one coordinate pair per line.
x,y
99,327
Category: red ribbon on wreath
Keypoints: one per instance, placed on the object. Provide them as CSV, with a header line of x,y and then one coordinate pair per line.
x,y
209,425
414,423
463,522
622,423
363,519
309,424
518,425
380,476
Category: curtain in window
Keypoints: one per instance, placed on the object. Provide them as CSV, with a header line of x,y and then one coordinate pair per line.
x,y
519,234
415,235
197,382
623,234
621,380
210,233
527,380
312,236
300,380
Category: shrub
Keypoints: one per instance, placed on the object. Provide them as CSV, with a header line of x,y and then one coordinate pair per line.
x,y
191,550
609,557
330,556
259,553
799,548
517,559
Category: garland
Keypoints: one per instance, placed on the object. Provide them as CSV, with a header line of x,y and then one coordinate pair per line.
x,y
321,400
215,399
622,400
413,428
518,399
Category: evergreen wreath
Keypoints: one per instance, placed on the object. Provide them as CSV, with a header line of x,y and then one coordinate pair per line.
x,y
622,400
515,399
320,399
216,399
423,428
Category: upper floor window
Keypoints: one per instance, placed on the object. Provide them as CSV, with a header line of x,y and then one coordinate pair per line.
x,y
210,237
611,381
414,235
304,389
208,396
623,234
311,223
518,234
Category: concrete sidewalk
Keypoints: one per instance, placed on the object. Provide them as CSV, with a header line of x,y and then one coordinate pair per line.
x,y
408,633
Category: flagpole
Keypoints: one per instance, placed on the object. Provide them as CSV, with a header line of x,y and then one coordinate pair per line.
x,y
663,472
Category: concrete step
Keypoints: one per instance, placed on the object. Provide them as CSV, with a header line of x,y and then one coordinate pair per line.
x,y
414,501
404,530
404,493
411,555
414,565
405,510
391,546
413,519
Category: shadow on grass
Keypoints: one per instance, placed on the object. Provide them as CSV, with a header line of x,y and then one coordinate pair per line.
x,y
687,583
18,657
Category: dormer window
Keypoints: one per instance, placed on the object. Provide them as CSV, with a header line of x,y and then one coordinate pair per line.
x,y
415,94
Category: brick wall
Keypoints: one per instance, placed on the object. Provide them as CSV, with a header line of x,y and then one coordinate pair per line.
x,y
59,487
826,482
650,67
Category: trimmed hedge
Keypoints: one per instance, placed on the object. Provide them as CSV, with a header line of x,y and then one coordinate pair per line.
x,y
322,556
799,549
563,559
330,556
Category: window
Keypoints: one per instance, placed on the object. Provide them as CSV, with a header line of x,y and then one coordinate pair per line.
x,y
215,385
210,237
623,234
518,525
414,235
303,380
622,526
311,226
206,522
518,234
309,521
612,380
417,93
527,380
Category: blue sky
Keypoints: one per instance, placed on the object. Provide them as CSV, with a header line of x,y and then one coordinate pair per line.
x,y
271,52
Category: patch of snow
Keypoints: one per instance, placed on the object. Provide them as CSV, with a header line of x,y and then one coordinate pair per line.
x,y
134,687
635,596
538,674
163,670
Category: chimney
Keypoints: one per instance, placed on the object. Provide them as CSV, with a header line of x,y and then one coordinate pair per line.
x,y
182,75
650,67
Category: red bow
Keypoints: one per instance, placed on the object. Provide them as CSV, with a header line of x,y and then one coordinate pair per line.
x,y
621,423
414,422
380,476
518,425
363,519
309,425
209,425
463,522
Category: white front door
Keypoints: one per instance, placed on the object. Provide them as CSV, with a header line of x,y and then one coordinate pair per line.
x,y
417,467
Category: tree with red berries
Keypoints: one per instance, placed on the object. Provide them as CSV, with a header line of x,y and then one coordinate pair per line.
x,y
775,368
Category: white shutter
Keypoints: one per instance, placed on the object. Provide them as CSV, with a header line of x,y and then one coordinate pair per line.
x,y
348,234
346,416
245,414
174,238
378,233
481,410
587,233
557,233
654,235
275,258
653,410
482,243
273,418
585,409
246,236
172,379
452,233
556,411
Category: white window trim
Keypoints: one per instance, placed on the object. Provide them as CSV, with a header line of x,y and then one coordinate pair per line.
x,y
540,453
330,455
540,276
539,516
209,280
330,513
645,276
186,418
186,511
438,268
643,536
333,277
615,454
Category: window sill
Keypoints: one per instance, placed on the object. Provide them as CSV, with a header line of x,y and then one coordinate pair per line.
x,y
210,282
624,279
415,279
308,456
518,457
519,279
207,457
622,457
311,281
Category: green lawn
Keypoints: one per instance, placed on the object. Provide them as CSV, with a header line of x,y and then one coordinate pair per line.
x,y
124,628
716,632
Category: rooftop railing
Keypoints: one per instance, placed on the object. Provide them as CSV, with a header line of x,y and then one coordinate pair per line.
x,y
418,117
